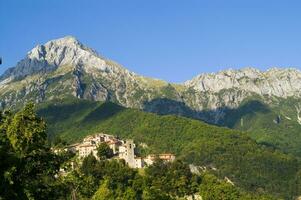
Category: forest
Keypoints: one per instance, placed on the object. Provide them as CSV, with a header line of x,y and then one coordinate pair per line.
x,y
29,169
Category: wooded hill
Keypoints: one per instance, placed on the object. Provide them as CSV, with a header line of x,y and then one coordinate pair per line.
x,y
252,166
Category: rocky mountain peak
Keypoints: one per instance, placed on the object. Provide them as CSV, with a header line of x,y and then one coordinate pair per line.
x,y
273,82
62,51
40,51
55,53
64,41
81,72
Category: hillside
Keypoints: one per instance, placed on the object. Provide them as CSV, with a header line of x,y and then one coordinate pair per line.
x,y
276,125
252,166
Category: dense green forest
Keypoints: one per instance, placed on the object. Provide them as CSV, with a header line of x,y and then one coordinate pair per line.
x,y
30,170
253,167
275,125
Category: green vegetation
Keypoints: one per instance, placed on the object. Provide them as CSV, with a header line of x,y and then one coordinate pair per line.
x,y
254,167
112,179
169,91
213,188
104,151
275,125
27,167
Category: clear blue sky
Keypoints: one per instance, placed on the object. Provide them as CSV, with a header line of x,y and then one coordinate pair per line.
x,y
167,39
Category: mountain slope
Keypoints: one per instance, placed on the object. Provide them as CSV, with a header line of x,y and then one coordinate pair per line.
x,y
275,125
252,166
65,68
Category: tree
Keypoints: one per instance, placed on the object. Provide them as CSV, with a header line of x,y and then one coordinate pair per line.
x,y
27,132
28,165
8,162
154,194
180,179
173,178
59,142
77,185
103,192
104,151
129,194
214,189
89,165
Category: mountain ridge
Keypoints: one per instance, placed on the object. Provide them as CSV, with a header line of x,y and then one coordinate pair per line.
x,y
65,68
39,52
226,88
274,78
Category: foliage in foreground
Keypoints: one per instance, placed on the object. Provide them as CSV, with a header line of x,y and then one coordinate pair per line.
x,y
112,179
27,167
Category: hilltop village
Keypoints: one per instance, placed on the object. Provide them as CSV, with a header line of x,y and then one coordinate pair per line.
x,y
122,149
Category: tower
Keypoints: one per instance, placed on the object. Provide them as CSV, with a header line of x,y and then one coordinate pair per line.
x,y
130,154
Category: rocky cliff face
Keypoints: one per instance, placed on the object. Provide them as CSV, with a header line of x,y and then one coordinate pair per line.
x,y
228,89
64,68
274,82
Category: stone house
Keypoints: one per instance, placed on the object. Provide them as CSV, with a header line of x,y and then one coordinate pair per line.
x,y
90,143
167,157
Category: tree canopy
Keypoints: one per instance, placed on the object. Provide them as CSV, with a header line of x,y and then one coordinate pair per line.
x,y
104,151
28,167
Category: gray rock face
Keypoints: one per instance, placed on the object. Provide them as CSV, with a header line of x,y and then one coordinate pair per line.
x,y
97,93
55,53
66,68
274,82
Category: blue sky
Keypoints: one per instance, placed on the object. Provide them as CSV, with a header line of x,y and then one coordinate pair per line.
x,y
167,39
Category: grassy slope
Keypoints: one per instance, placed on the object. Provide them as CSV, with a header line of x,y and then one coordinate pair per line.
x,y
259,120
235,155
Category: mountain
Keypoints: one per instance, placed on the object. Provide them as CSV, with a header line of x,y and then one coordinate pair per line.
x,y
274,82
62,68
223,151
266,104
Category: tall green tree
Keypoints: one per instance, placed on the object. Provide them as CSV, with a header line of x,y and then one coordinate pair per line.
x,y
104,192
104,151
27,132
30,166
8,189
89,165
173,178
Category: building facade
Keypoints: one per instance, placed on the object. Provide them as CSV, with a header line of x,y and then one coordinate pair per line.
x,y
90,143
166,157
